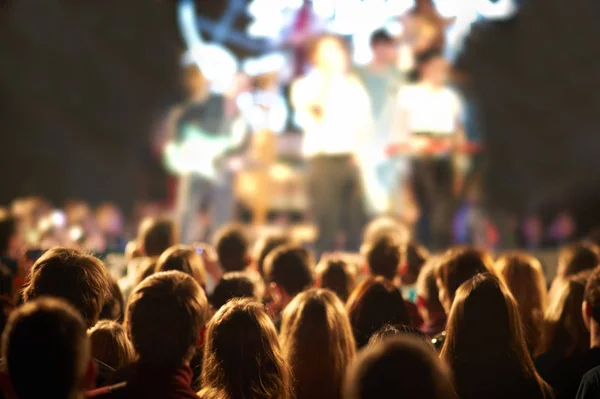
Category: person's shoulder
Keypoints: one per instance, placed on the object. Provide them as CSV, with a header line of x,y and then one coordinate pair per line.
x,y
590,384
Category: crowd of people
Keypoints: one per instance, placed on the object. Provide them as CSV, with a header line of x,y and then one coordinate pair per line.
x,y
258,317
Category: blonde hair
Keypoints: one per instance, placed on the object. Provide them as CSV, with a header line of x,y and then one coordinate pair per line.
x,y
524,277
318,343
110,344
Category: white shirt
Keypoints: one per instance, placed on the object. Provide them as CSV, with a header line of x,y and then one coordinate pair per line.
x,y
430,110
346,119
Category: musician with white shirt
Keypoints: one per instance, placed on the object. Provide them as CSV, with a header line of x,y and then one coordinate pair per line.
x,y
334,110
430,122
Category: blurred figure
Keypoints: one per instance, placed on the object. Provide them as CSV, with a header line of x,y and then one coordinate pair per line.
x,y
242,357
147,268
267,244
372,305
399,367
524,278
110,344
485,347
335,274
334,111
414,256
114,304
231,286
317,343
47,352
428,300
572,260
155,235
566,340
110,224
233,248
185,259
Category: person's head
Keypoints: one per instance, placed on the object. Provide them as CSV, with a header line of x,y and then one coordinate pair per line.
x,y
404,366
414,256
383,256
524,278
373,304
233,285
318,343
288,271
69,274
591,304
47,352
9,237
433,67
394,330
565,329
156,235
576,258
329,54
109,219
428,297
145,269
242,356
384,226
455,267
267,244
384,47
485,347
335,274
185,259
231,244
110,344
114,305
159,304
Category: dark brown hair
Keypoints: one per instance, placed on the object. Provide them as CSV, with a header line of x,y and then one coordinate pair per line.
x,y
291,268
110,344
114,305
265,245
156,235
233,285
242,356
335,275
231,244
183,258
69,274
383,256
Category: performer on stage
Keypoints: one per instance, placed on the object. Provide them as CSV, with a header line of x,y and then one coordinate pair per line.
x,y
201,133
430,120
334,110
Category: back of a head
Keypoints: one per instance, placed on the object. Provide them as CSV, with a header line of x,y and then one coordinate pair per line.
x,y
383,226
145,268
458,265
373,304
231,244
291,268
110,344
46,350
592,294
267,244
184,259
242,356
383,256
577,258
114,305
401,366
69,274
233,285
156,235
335,275
395,330
161,302
414,256
318,343
427,289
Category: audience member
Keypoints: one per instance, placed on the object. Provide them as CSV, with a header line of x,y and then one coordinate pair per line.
x,y
525,280
317,343
391,330
114,305
566,340
242,357
372,305
590,385
10,244
164,319
234,285
485,347
185,259
156,235
110,344
334,273
265,245
47,351
232,245
146,268
383,226
428,300
399,367
414,256
572,260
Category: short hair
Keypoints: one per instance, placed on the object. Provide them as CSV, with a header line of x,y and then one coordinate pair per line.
x,y
577,257
401,364
231,244
383,256
46,349
114,305
265,245
159,304
70,274
233,285
395,330
414,256
334,274
592,293
156,235
110,344
291,268
381,36
8,228
185,259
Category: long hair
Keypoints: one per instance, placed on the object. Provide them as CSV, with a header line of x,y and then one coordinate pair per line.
x,y
373,304
565,329
485,347
318,344
242,356
524,277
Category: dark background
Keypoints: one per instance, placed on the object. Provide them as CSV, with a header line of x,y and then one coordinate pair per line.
x,y
83,82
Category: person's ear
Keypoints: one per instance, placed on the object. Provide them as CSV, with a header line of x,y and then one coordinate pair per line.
x,y
89,379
